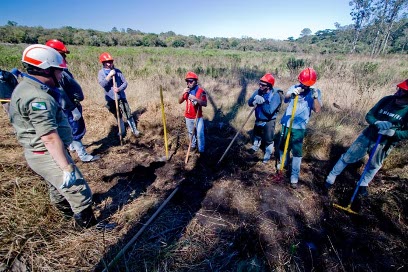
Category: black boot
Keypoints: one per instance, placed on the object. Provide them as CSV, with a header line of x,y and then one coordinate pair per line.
x,y
85,219
65,208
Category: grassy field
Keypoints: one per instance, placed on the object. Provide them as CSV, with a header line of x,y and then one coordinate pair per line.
x,y
231,217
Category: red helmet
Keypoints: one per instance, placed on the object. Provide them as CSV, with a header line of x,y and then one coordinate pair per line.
x,y
308,77
403,85
105,57
57,45
191,75
268,78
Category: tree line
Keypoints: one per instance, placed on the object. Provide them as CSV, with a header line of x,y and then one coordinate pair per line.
x,y
380,27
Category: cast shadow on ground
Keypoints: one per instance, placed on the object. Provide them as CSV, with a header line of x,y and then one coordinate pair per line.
x,y
129,186
197,181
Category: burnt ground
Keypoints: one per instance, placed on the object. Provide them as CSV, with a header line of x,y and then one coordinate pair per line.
x,y
236,216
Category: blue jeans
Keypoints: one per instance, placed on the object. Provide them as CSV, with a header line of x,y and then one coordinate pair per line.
x,y
199,133
362,146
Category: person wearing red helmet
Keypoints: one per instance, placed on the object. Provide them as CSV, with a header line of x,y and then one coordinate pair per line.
x,y
43,130
309,99
8,81
388,118
105,79
70,100
195,98
267,101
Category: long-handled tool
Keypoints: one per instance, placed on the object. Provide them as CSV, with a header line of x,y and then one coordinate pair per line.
x,y
233,139
5,100
164,122
117,110
348,208
279,176
192,135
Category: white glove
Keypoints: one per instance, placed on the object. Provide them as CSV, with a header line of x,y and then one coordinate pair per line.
x,y
387,132
295,91
69,176
382,125
192,99
76,115
112,73
258,100
315,94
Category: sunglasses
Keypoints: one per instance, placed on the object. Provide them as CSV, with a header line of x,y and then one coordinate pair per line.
x,y
190,80
262,84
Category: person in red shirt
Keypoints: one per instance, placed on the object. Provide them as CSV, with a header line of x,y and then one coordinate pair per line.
x,y
195,98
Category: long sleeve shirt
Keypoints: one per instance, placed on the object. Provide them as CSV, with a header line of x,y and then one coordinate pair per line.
x,y
270,108
304,108
121,83
387,110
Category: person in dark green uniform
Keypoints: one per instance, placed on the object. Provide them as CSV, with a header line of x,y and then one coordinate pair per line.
x,y
389,117
43,130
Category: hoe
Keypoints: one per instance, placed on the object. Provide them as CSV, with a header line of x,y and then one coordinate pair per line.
x,y
348,208
236,134
279,175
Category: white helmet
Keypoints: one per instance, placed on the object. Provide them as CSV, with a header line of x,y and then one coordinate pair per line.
x,y
43,57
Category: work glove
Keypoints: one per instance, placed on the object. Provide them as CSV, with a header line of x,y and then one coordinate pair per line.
x,y
112,73
68,176
295,91
192,99
258,100
315,94
382,125
387,132
76,115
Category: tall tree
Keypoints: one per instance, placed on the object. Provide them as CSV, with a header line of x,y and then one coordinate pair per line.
x,y
305,32
395,8
360,14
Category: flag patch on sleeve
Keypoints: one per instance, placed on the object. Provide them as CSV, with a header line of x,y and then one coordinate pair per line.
x,y
36,106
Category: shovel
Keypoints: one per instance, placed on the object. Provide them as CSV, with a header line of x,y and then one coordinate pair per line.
x,y
117,110
348,208
233,139
279,175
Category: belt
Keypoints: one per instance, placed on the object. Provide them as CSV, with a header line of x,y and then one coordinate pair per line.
x,y
39,152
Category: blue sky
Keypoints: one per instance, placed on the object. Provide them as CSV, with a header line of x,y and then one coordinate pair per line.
x,y
211,18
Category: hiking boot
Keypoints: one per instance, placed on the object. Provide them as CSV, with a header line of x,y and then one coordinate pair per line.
x,y
293,185
362,191
90,158
85,219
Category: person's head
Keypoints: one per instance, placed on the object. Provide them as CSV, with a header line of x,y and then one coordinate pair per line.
x,y
307,77
266,83
59,46
191,79
107,60
44,63
402,91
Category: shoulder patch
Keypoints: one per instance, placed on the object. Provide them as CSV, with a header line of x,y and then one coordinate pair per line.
x,y
36,106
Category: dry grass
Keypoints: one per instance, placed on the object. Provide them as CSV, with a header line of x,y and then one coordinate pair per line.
x,y
228,218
